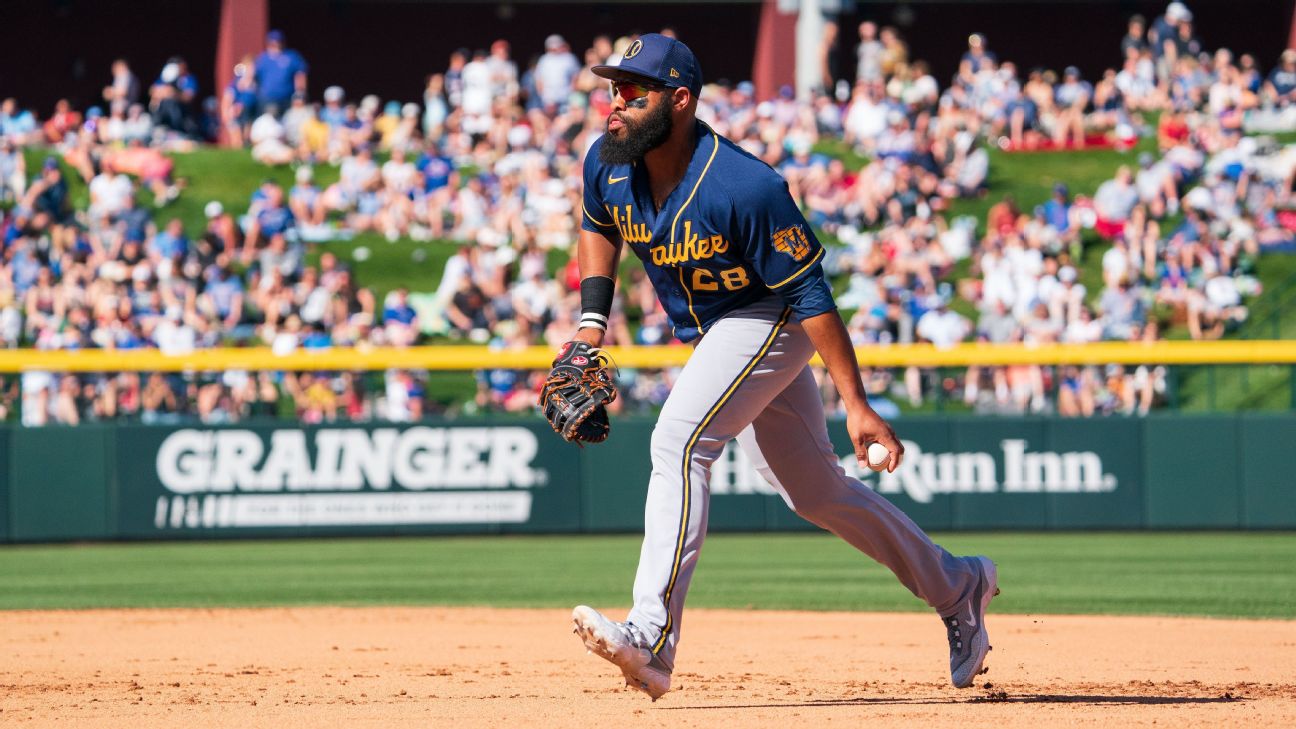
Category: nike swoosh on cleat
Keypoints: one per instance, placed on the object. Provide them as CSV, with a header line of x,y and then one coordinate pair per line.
x,y
614,180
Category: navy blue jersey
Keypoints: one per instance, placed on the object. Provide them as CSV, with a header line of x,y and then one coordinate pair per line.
x,y
728,235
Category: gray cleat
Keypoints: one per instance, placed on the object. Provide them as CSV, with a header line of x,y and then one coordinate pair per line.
x,y
968,639
621,644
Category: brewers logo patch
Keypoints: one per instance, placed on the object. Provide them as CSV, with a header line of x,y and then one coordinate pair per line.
x,y
634,49
792,241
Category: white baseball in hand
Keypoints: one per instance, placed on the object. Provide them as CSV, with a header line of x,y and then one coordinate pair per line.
x,y
878,456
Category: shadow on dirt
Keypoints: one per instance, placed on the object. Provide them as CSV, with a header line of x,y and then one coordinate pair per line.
x,y
993,697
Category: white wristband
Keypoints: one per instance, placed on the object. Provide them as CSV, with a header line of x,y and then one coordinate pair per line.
x,y
593,321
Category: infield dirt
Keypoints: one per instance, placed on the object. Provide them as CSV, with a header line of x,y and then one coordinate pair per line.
x,y
468,668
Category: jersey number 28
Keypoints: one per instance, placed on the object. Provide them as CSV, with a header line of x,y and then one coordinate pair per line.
x,y
732,278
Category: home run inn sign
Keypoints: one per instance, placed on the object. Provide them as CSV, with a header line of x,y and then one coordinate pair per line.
x,y
514,475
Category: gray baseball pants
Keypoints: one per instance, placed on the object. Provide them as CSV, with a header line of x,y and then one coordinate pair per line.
x,y
749,379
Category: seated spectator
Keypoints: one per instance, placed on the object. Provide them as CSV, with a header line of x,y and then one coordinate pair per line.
x,y
173,96
1219,305
158,401
109,193
1280,86
400,321
13,171
170,244
357,173
18,125
269,138
239,104
222,298
268,218
556,73
1066,301
125,86
1084,329
1113,202
61,122
1076,392
305,200
1072,98
47,208
150,166
1123,311
281,256
469,315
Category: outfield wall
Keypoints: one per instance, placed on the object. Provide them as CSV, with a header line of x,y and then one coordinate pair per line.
x,y
464,476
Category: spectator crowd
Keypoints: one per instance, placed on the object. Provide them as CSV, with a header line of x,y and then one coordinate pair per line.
x,y
490,159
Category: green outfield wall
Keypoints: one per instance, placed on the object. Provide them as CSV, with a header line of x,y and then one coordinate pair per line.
x,y
515,476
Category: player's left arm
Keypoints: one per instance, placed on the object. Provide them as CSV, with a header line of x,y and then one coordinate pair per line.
x,y
785,253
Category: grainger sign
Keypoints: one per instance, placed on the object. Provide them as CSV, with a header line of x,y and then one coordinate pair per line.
x,y
461,477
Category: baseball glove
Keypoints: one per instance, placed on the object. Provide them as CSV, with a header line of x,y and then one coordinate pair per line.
x,y
575,396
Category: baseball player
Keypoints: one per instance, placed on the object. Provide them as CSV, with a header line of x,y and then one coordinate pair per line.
x,y
737,268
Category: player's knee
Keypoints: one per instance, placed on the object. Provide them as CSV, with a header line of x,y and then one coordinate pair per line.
x,y
668,441
827,494
812,507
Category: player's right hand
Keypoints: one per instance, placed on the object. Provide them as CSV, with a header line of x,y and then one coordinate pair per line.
x,y
866,426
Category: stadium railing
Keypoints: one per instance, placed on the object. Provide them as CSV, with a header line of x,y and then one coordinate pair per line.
x,y
464,357
1213,376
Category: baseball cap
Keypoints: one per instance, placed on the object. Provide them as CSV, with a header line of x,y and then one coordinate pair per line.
x,y
554,42
654,57
213,209
275,36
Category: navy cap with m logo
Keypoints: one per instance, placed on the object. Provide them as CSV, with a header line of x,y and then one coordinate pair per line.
x,y
657,59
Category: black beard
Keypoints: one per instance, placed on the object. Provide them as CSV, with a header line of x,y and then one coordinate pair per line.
x,y
638,138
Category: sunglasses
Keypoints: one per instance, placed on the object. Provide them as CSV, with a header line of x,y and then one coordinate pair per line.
x,y
634,94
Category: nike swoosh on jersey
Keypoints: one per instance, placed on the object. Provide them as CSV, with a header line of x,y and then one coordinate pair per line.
x,y
614,180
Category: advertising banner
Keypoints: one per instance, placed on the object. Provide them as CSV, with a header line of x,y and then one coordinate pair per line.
x,y
6,477
422,478
1027,473
515,475
61,483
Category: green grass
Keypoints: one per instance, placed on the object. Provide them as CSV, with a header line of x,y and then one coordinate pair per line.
x,y
1213,574
839,149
